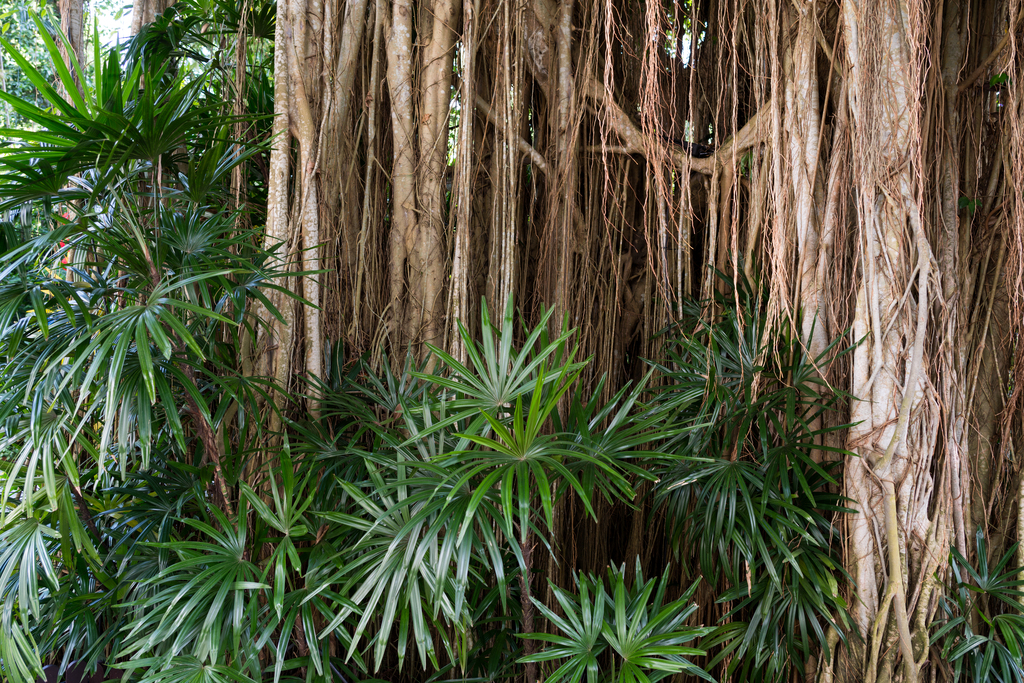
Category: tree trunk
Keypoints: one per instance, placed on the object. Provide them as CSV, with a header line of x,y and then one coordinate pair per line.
x,y
145,12
845,138
890,475
72,18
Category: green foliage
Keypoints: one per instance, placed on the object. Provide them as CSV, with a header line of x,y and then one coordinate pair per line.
x,y
968,204
471,462
613,633
123,287
747,499
201,607
113,127
149,521
18,28
982,633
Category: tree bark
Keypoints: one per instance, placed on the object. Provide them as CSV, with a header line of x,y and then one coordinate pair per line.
x,y
837,163
890,475
72,18
436,56
146,11
404,235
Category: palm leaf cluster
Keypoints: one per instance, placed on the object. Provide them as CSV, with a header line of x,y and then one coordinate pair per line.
x,y
151,523
981,633
645,633
753,496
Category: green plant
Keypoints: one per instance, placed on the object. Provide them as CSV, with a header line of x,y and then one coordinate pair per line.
x,y
126,290
465,467
982,634
18,28
968,204
747,497
611,632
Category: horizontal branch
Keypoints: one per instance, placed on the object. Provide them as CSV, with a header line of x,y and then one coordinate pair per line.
x,y
985,64
634,140
611,149
524,146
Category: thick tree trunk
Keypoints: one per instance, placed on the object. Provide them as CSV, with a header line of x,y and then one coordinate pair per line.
x,y
892,474
839,161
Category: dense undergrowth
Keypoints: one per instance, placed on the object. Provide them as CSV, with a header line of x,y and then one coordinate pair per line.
x,y
399,525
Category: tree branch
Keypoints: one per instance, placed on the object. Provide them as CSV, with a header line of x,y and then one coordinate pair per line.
x,y
525,147
634,140
985,64
892,534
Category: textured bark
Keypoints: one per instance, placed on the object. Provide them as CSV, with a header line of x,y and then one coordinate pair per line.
x,y
274,350
890,478
459,309
405,219
146,11
563,215
301,38
437,54
72,17
889,356
339,177
1013,432
804,127
845,136
293,206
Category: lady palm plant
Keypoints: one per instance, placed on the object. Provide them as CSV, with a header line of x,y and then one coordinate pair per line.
x,y
751,497
981,630
120,289
460,469
610,632
130,122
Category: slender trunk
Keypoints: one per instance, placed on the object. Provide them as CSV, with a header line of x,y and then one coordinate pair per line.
x,y
299,37
373,104
804,127
436,57
342,202
404,235
72,16
565,141
275,352
463,181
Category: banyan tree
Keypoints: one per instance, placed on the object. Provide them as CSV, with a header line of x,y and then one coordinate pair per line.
x,y
858,161
856,164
